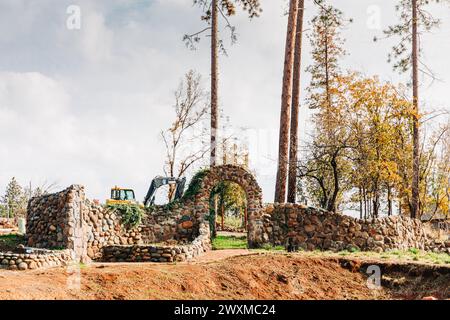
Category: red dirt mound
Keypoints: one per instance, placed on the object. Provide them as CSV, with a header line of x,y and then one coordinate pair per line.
x,y
255,276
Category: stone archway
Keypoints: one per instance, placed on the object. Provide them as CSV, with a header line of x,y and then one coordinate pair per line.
x,y
253,193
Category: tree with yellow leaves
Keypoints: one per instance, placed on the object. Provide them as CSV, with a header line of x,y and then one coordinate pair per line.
x,y
354,147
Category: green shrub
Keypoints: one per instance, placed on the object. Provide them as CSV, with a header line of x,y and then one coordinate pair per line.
x,y
212,222
195,184
131,214
171,205
11,241
192,190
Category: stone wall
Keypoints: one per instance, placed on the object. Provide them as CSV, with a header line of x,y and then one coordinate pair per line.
x,y
37,259
68,220
47,221
154,253
256,235
55,221
310,229
181,221
103,228
180,231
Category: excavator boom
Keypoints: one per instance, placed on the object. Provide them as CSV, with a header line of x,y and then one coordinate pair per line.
x,y
162,181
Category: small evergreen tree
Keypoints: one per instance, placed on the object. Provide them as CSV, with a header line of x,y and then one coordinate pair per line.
x,y
3,210
13,198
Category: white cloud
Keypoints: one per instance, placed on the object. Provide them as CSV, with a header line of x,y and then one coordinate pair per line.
x,y
87,106
96,38
33,107
34,124
45,138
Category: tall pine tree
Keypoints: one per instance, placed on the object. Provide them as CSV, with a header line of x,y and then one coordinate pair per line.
x,y
414,20
293,148
286,100
212,10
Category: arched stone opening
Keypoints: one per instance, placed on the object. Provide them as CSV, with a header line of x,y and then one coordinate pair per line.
x,y
228,209
253,193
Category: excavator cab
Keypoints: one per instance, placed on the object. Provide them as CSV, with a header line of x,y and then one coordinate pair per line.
x,y
121,196
127,196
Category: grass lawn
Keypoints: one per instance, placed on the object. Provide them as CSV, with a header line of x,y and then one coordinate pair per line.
x,y
229,242
410,255
417,255
268,247
222,242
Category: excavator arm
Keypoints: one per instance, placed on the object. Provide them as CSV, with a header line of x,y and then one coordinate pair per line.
x,y
162,181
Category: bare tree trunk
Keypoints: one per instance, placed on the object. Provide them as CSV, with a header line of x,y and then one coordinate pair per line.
x,y
327,78
375,205
389,201
245,217
222,211
214,81
415,180
171,172
171,192
280,187
365,203
332,204
235,154
224,152
376,199
293,151
360,204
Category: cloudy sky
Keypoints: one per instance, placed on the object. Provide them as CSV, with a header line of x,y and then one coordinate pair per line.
x,y
86,106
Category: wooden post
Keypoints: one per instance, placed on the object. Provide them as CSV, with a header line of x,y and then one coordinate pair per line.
x,y
222,209
245,217
216,210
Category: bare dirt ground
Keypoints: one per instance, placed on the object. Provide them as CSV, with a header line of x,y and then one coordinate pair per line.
x,y
232,274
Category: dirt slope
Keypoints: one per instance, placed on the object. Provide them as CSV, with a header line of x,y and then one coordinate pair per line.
x,y
254,276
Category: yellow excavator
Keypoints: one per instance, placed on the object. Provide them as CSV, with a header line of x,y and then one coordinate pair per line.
x,y
127,196
121,196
